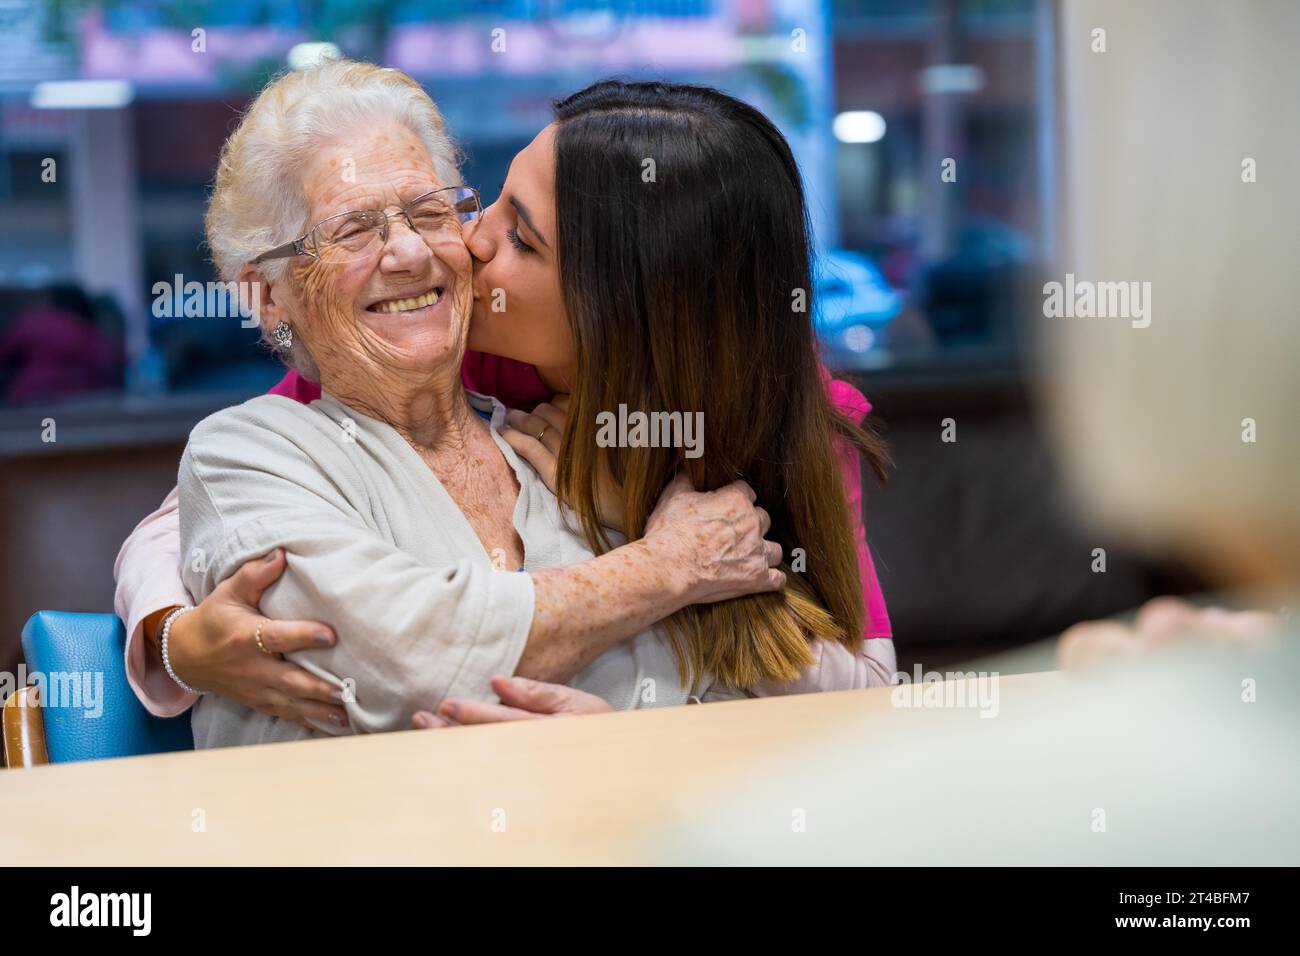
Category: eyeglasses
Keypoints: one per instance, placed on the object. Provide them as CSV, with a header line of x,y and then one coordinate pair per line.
x,y
362,233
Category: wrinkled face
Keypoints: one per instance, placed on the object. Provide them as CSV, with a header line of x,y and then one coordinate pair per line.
x,y
402,306
518,309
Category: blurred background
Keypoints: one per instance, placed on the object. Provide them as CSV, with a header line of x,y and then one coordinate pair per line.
x,y
102,183
928,135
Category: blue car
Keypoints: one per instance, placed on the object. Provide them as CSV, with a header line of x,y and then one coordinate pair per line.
x,y
852,302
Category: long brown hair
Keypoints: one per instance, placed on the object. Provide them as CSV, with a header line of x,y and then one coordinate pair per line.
x,y
683,248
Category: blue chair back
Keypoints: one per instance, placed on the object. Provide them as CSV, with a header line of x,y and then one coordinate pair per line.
x,y
95,714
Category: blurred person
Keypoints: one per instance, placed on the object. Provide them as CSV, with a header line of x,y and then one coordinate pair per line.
x,y
1186,443
55,349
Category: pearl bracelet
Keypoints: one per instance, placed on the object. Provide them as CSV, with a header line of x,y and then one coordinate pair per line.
x,y
166,633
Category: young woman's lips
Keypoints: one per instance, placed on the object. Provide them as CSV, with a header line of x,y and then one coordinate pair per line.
x,y
410,305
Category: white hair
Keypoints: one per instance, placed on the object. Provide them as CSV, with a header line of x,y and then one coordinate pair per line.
x,y
1181,142
259,199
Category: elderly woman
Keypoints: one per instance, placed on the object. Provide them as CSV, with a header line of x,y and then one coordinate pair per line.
x,y
402,512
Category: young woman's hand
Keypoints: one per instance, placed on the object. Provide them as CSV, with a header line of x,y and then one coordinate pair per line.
x,y
213,649
547,421
521,699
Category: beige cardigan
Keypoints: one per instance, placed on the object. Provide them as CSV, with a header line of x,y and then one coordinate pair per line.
x,y
378,549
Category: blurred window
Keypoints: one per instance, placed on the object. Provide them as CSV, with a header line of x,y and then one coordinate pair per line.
x,y
922,127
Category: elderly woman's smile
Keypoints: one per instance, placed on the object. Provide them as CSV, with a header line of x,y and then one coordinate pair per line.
x,y
413,307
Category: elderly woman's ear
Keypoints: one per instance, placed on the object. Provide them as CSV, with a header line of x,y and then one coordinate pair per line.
x,y
276,321
270,309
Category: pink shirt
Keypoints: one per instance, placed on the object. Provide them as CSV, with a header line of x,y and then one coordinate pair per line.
x,y
148,578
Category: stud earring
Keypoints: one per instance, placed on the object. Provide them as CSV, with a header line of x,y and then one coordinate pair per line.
x,y
282,335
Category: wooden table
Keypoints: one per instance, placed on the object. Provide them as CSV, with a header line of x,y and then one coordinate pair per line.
x,y
570,791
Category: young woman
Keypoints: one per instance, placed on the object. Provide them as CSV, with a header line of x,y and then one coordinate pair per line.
x,y
680,293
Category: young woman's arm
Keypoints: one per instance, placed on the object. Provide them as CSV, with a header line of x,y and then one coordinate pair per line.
x,y
217,638
147,572
835,667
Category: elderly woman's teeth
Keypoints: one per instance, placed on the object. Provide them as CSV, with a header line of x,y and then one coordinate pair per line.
x,y
409,305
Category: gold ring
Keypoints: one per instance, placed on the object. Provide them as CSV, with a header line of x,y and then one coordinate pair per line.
x,y
258,637
542,432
